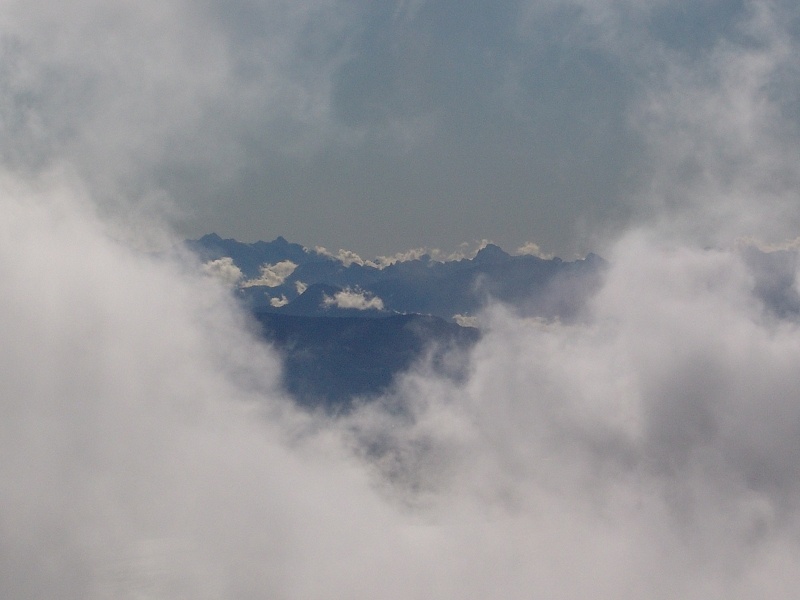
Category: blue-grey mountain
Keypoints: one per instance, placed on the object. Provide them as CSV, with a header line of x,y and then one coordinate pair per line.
x,y
534,286
346,330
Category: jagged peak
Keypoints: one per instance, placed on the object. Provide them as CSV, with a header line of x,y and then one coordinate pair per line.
x,y
491,252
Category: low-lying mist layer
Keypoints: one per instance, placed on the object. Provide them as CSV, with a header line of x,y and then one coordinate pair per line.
x,y
651,450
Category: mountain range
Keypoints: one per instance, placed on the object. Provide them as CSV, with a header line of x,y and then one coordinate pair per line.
x,y
287,278
346,327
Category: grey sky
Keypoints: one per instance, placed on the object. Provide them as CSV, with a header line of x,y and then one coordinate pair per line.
x,y
384,126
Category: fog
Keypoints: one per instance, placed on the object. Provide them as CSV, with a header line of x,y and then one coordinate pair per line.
x,y
650,448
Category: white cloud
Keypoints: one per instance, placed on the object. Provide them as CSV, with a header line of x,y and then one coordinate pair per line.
x,y
300,287
162,88
649,450
720,134
413,254
465,250
466,320
355,299
650,444
272,275
346,257
532,249
223,269
278,302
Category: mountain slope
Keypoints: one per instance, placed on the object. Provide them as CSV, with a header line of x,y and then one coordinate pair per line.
x,y
330,361
345,331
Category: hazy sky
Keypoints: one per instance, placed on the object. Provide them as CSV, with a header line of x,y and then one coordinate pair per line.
x,y
379,126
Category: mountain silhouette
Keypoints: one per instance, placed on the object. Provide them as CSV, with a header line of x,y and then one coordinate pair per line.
x,y
336,353
549,288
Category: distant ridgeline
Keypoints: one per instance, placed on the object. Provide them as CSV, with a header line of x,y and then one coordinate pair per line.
x,y
347,327
286,278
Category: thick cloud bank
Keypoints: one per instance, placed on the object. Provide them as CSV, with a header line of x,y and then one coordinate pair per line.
x,y
650,451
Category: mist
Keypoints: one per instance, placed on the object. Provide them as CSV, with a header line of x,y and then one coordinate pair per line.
x,y
648,448
651,449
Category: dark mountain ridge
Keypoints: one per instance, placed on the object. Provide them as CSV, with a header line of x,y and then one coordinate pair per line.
x,y
345,331
541,287
330,362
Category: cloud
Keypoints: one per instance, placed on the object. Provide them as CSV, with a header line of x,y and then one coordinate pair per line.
x,y
382,262
650,448
354,299
272,275
641,432
346,257
532,249
465,250
719,131
223,269
278,302
163,96
466,320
